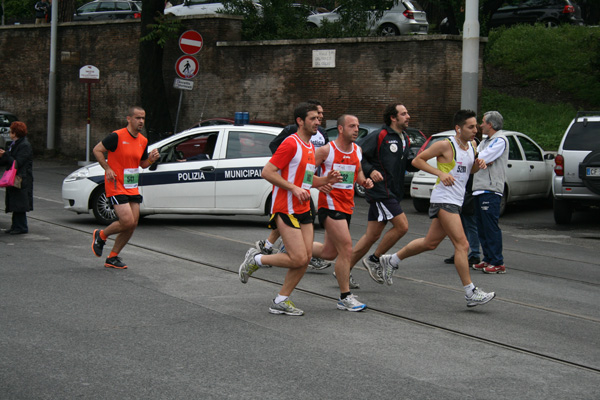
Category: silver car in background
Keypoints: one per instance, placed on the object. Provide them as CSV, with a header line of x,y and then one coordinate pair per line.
x,y
404,18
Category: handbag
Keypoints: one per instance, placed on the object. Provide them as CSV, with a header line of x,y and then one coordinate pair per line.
x,y
10,178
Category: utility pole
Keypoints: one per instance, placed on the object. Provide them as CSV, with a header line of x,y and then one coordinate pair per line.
x,y
52,79
470,59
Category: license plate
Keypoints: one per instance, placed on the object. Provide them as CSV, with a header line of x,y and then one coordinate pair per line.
x,y
592,171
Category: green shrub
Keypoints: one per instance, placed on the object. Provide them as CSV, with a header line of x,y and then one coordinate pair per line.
x,y
544,123
567,57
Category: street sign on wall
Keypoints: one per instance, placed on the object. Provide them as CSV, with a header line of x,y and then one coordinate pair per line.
x,y
190,42
186,67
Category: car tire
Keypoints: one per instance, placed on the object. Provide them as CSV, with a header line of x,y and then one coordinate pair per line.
x,y
421,205
591,182
359,190
563,211
101,208
389,30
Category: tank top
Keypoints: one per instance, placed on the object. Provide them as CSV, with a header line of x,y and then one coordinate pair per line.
x,y
459,168
341,197
296,162
125,162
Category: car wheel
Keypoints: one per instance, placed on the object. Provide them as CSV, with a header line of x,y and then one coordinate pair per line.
x,y
421,205
101,208
360,190
591,182
562,211
389,30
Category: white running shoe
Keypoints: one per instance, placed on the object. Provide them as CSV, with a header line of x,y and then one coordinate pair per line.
x,y
350,303
479,297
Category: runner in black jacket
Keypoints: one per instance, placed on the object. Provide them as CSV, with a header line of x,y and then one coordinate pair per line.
x,y
384,161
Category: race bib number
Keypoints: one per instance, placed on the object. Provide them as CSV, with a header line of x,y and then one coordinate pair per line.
x,y
131,177
308,177
347,173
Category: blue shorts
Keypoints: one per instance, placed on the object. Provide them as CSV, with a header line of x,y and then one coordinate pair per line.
x,y
385,210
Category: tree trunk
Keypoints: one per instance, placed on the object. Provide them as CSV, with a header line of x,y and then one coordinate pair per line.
x,y
66,9
152,87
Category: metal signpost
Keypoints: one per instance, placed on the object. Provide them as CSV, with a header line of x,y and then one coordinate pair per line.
x,y
190,42
88,74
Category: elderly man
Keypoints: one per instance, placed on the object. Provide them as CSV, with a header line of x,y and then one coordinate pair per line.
x,y
488,188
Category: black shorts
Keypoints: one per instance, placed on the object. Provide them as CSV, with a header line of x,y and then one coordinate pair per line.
x,y
434,209
325,213
293,220
384,210
124,199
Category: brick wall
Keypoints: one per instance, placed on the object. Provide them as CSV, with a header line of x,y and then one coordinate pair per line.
x,y
266,79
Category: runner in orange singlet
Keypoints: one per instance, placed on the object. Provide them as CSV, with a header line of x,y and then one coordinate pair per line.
x,y
291,171
337,205
127,151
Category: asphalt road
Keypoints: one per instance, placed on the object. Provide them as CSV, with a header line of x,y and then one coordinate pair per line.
x,y
178,324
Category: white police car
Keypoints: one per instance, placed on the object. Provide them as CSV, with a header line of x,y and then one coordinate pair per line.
x,y
207,170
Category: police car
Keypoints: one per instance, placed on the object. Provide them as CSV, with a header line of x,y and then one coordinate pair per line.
x,y
207,170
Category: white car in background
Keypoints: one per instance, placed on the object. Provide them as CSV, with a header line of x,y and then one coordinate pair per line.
x,y
528,174
208,170
198,7
404,18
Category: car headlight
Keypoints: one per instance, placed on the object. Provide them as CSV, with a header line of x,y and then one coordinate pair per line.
x,y
81,173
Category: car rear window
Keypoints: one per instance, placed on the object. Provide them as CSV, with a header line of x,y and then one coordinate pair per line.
x,y
583,136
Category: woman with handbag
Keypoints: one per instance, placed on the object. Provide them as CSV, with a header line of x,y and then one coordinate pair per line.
x,y
19,200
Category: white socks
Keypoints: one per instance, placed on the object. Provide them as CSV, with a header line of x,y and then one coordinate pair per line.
x,y
469,289
280,298
395,260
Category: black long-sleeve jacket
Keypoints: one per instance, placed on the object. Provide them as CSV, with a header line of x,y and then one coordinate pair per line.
x,y
386,151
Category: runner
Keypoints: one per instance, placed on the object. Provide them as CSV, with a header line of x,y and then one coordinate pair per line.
x,y
291,171
127,151
455,161
337,205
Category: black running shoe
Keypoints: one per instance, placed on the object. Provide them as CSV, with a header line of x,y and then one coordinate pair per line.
x,y
115,262
97,243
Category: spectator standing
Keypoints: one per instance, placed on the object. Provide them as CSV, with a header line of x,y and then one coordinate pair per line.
x,y
19,200
42,9
488,188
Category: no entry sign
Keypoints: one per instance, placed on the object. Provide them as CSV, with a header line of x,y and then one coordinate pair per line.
x,y
190,42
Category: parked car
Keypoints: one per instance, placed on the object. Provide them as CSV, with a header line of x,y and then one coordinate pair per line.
x,y
528,174
576,179
208,170
108,10
404,18
198,7
548,12
6,118
416,137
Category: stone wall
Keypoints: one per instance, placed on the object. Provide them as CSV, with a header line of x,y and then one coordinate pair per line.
x,y
266,79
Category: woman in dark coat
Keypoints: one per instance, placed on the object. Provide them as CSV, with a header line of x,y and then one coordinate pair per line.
x,y
19,201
